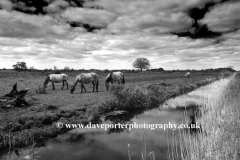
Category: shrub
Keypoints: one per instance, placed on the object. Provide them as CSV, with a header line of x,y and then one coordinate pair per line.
x,y
224,74
135,97
93,113
29,124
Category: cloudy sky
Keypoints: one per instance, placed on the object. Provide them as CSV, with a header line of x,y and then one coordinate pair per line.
x,y
111,34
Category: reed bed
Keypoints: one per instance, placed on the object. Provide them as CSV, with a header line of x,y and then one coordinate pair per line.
x,y
144,155
220,122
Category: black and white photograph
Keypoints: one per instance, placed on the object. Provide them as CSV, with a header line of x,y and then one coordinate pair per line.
x,y
119,79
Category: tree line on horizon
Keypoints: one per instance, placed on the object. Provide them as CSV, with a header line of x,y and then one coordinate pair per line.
x,y
139,64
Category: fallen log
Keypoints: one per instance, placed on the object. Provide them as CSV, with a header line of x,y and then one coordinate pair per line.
x,y
14,98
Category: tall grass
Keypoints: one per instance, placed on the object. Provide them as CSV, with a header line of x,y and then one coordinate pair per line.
x,y
221,128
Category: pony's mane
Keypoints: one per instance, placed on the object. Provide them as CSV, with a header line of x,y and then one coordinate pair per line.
x,y
75,79
46,80
109,78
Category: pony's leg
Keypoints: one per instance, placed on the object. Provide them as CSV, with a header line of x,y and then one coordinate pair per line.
x,y
53,87
67,84
93,86
81,87
96,86
112,83
62,85
84,88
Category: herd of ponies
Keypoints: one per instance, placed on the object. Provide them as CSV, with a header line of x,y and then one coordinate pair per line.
x,y
87,78
84,78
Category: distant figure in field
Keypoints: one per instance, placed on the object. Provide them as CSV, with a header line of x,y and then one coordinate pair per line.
x,y
56,78
114,76
187,75
85,78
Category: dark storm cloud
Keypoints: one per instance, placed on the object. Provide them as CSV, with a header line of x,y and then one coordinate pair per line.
x,y
30,6
201,30
39,6
88,27
47,7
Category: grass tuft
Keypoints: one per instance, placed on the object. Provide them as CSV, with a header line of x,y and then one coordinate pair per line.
x,y
41,90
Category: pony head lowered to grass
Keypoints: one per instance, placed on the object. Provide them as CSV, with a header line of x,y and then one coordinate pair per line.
x,y
56,78
187,75
85,78
114,76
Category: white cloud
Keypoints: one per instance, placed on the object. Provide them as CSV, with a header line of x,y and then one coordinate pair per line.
x,y
6,5
57,6
161,22
223,17
20,25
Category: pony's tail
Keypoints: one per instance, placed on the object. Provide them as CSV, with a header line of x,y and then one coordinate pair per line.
x,y
123,80
97,85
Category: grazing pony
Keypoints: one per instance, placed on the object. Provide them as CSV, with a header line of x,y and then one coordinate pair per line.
x,y
187,75
144,70
114,76
56,78
85,78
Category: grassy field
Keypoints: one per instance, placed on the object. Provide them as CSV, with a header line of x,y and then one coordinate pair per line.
x,y
141,91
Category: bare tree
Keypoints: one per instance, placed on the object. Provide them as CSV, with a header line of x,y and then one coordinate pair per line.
x,y
55,67
141,63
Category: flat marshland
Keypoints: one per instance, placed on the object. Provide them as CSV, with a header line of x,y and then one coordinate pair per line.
x,y
220,122
141,91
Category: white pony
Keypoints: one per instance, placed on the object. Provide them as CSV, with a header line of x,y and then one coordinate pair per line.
x,y
114,76
56,78
85,78
144,70
187,75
